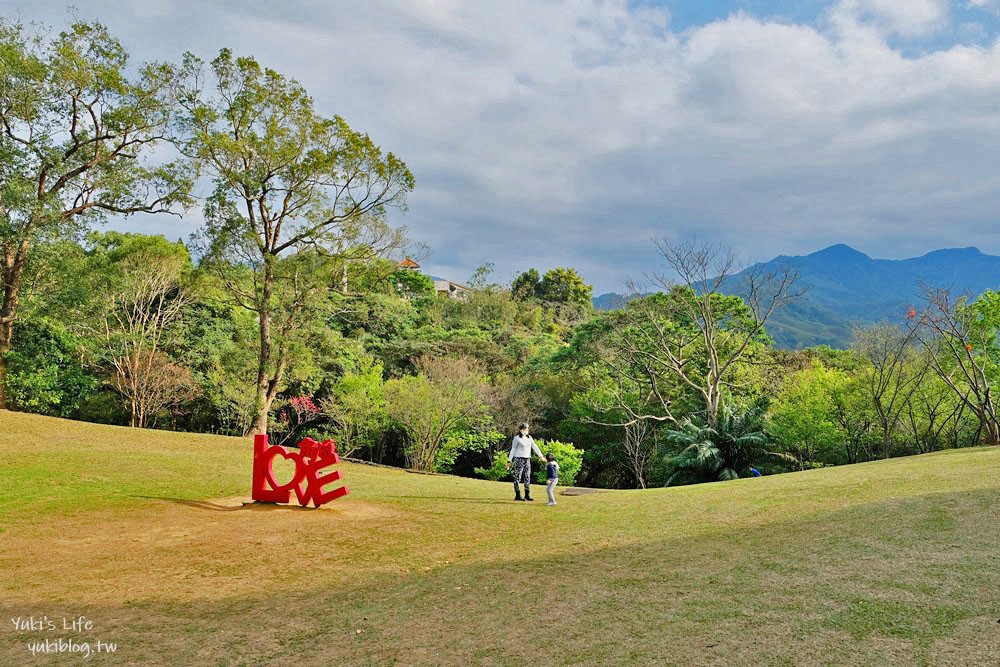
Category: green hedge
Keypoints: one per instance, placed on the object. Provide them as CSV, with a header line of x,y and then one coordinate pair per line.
x,y
570,461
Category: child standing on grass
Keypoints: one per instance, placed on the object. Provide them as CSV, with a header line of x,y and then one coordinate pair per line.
x,y
552,477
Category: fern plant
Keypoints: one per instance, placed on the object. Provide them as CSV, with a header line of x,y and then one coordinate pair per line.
x,y
723,452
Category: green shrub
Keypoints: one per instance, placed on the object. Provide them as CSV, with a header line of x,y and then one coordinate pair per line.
x,y
497,471
44,371
570,461
460,441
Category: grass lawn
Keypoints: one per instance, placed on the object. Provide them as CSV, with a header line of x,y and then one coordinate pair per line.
x,y
142,532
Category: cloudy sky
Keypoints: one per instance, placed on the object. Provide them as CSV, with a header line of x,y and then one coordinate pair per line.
x,y
572,133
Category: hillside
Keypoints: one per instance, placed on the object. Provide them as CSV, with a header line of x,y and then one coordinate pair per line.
x,y
143,532
848,288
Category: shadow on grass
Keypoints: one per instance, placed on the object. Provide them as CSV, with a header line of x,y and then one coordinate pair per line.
x,y
453,499
251,506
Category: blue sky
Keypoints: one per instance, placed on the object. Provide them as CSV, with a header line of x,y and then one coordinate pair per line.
x,y
690,14
545,134
967,22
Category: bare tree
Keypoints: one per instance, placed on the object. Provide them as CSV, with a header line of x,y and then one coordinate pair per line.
x,y
696,336
513,401
146,299
447,394
892,372
150,382
957,342
640,446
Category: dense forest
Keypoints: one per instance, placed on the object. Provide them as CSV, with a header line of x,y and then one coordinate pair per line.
x,y
290,312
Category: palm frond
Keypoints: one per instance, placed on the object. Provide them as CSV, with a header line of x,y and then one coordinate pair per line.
x,y
755,439
736,442
704,455
727,474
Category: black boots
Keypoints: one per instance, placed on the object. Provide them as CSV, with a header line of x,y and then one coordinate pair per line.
x,y
517,493
527,493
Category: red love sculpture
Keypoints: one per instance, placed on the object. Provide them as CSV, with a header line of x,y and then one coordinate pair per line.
x,y
310,459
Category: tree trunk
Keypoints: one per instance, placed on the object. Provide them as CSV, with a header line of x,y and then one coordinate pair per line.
x,y
714,404
992,426
3,378
988,421
14,262
6,338
140,415
263,403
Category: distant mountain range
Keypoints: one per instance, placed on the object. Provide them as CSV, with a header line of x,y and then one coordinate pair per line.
x,y
848,288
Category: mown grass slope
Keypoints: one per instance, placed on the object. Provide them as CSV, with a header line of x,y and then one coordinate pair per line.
x,y
888,563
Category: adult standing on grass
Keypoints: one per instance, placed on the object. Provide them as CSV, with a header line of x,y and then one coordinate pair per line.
x,y
520,456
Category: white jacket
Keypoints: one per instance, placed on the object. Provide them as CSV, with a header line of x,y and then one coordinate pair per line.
x,y
521,447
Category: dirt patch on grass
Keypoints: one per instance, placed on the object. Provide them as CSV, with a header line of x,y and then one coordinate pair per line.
x,y
177,549
579,491
357,510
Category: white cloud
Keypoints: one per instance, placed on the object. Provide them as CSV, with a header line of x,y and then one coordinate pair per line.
x,y
991,6
546,134
904,17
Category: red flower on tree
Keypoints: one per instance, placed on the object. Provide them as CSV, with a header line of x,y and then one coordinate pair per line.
x,y
299,411
304,406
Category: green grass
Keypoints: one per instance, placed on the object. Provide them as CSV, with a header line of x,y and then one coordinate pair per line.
x,y
887,563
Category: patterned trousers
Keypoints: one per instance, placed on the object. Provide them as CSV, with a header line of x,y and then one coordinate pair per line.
x,y
522,472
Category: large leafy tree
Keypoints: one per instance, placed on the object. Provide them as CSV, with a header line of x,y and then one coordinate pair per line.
x,y
558,286
564,285
803,418
722,331
525,286
356,405
289,183
78,129
46,374
679,352
690,348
